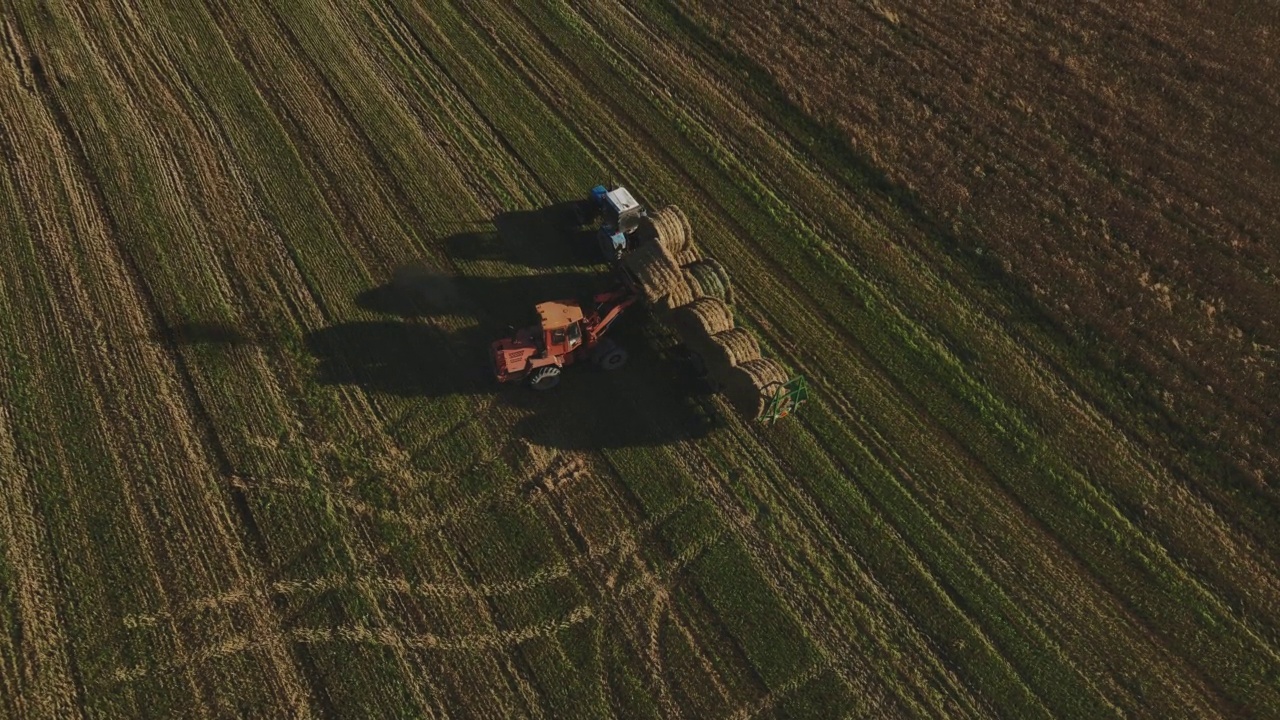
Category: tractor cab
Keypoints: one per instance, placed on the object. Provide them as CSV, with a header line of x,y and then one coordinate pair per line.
x,y
621,209
561,327
620,216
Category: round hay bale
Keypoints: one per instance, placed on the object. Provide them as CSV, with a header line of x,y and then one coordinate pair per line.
x,y
750,386
688,257
710,278
702,318
674,231
693,283
734,347
679,294
657,273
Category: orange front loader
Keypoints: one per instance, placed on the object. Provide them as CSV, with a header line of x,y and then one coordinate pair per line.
x,y
565,335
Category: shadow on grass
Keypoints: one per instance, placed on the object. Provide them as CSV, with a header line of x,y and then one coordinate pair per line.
x,y
551,236
206,333
418,291
650,401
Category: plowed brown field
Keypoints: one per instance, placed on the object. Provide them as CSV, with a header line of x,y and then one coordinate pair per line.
x,y
252,465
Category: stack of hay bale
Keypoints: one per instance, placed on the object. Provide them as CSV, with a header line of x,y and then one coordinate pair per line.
x,y
676,279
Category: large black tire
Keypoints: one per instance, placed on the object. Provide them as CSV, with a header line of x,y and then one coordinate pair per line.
x,y
609,355
545,378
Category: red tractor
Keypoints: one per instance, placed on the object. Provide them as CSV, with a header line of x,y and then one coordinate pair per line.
x,y
565,335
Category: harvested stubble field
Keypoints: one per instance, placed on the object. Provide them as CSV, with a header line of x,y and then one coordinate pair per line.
x,y
250,253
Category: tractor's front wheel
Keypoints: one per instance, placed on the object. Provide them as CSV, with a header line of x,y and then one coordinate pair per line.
x,y
609,355
545,378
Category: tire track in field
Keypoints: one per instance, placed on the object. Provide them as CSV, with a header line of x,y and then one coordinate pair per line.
x,y
652,142
47,684
602,582
585,140
181,411
365,409
646,585
757,708
625,544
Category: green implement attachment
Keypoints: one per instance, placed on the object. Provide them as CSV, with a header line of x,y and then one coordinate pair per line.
x,y
786,398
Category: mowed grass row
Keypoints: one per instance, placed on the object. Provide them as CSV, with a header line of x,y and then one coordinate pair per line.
x,y
403,547
481,82
334,656
579,109
148,221
279,523
137,452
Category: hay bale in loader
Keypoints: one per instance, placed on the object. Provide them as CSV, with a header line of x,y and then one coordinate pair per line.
x,y
696,323
708,278
731,348
750,386
673,229
688,257
660,278
701,319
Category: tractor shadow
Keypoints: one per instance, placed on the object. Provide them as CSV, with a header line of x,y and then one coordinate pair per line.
x,y
547,237
418,291
401,358
651,401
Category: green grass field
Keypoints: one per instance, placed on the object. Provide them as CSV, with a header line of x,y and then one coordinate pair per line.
x,y
240,479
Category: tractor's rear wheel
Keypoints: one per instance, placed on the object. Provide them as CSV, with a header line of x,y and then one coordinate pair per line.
x,y
609,355
545,378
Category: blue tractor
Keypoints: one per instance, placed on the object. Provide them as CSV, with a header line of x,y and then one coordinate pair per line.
x,y
620,216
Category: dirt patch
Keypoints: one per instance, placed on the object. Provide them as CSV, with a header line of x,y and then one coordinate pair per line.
x,y
1112,162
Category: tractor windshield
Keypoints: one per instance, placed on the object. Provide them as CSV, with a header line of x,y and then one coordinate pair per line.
x,y
575,335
